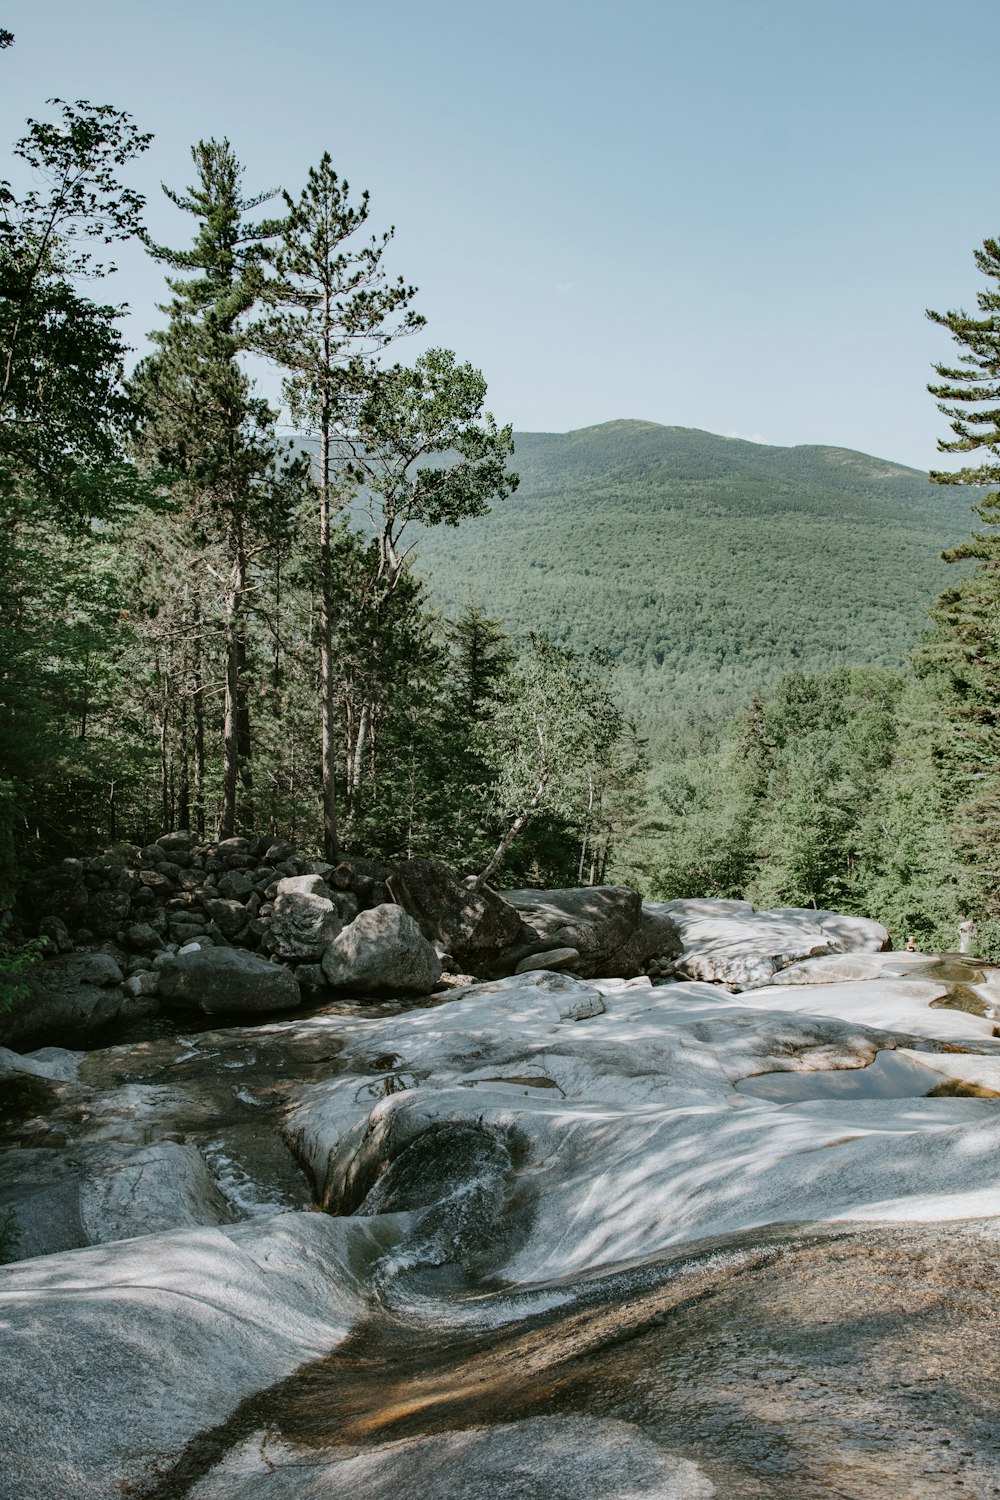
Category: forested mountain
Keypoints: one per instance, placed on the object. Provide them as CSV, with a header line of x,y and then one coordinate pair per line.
x,y
704,566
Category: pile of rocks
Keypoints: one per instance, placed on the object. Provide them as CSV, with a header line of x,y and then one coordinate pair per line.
x,y
242,925
249,925
179,888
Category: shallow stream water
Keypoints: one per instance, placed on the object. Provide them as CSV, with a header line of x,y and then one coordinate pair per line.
x,y
786,1363
799,1362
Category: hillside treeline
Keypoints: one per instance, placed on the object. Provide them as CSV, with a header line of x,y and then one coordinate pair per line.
x,y
194,630
705,568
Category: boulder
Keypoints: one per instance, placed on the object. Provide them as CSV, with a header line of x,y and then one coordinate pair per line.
x,y
303,885
853,934
277,851
598,921
159,884
304,920
234,848
222,981
654,940
142,938
235,885
473,926
67,998
144,983
181,842
382,952
230,917
730,943
105,1192
556,958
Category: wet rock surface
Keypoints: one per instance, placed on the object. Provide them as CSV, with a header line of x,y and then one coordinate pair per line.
x,y
797,1365
600,1237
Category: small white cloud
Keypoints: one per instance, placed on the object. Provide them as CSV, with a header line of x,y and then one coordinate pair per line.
x,y
564,287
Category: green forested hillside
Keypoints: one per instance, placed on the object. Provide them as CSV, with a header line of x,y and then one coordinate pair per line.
x,y
704,566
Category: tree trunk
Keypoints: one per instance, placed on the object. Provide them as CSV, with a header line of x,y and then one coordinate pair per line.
x,y
244,740
198,715
511,834
233,727
331,839
360,744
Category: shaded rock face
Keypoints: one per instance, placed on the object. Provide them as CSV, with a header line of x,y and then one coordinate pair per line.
x,y
217,981
473,926
306,919
553,958
382,952
109,1192
608,926
68,996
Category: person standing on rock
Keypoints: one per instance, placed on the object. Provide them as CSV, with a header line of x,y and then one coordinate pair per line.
x,y
966,935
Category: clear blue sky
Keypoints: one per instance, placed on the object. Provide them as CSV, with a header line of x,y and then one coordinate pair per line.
x,y
727,215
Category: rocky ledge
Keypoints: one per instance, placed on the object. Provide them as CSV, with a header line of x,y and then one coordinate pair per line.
x,y
254,926
542,1234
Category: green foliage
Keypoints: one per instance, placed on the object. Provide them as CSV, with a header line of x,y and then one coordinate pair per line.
x,y
559,751
963,654
704,567
329,303
409,416
826,793
64,484
62,409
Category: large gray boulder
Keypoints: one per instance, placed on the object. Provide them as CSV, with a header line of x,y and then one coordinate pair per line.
x,y
473,926
854,934
382,952
731,943
606,924
100,1193
221,981
305,919
69,997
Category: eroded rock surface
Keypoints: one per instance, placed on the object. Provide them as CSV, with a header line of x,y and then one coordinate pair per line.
x,y
563,1249
731,943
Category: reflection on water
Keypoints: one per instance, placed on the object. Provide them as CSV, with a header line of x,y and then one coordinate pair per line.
x,y
889,1076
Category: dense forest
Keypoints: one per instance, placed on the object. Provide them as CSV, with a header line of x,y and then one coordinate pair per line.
x,y
704,567
196,632
683,660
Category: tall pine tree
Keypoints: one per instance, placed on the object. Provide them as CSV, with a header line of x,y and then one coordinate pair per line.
x,y
966,648
332,308
203,422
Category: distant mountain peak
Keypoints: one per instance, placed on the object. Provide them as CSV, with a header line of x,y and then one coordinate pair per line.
x,y
704,566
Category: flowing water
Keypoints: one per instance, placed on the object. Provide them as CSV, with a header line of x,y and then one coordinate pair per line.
x,y
779,1363
794,1362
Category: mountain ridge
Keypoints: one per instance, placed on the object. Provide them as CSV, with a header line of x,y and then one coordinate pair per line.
x,y
703,566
